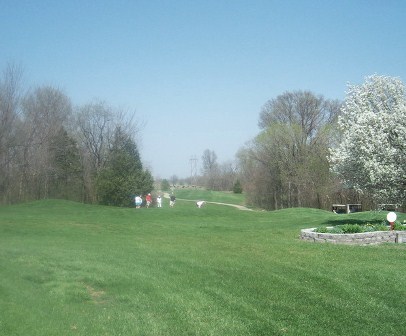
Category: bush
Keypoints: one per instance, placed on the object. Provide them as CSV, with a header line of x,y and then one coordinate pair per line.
x,y
381,227
357,228
322,229
352,228
399,226
336,230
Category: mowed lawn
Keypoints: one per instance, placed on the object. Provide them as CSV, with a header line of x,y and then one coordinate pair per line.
x,y
210,196
74,269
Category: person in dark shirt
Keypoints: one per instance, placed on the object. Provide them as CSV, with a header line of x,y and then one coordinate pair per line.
x,y
172,200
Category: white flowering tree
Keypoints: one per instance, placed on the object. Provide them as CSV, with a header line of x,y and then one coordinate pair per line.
x,y
371,156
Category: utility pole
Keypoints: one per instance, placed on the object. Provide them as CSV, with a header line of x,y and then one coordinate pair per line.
x,y
193,170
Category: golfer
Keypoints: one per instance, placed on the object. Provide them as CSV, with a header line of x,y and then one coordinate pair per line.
x,y
138,201
172,200
148,199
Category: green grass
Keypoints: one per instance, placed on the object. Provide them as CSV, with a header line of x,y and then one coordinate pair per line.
x,y
75,269
210,196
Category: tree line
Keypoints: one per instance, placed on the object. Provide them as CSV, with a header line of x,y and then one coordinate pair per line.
x,y
314,152
310,151
52,149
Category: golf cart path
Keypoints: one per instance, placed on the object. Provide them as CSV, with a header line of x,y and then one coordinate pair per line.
x,y
239,207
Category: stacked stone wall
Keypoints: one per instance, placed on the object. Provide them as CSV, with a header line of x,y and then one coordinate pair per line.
x,y
365,238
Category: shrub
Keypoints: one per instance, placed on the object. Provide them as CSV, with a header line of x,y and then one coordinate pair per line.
x,y
357,228
322,229
381,227
346,228
399,226
369,227
352,228
336,229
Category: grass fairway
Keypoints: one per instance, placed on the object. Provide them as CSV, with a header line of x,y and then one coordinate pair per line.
x,y
210,196
75,269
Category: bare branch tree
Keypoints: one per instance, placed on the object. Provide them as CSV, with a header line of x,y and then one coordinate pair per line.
x,y
45,112
10,94
95,126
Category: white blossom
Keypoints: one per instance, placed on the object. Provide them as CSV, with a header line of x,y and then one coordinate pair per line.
x,y
371,156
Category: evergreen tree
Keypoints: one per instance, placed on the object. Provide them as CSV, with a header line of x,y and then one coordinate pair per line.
x,y
237,188
123,175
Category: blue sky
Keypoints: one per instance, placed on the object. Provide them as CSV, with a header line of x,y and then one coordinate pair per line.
x,y
198,72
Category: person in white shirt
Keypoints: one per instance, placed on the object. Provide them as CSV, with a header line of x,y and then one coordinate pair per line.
x,y
159,201
138,201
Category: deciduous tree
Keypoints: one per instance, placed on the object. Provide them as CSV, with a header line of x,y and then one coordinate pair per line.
x,y
10,94
210,168
66,169
372,154
96,123
291,151
45,112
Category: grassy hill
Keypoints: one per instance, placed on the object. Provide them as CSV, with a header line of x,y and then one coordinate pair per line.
x,y
75,269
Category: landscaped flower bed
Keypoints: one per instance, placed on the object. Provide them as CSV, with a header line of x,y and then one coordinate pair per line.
x,y
355,234
358,228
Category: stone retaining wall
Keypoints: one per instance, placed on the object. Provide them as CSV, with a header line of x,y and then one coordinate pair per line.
x,y
365,238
